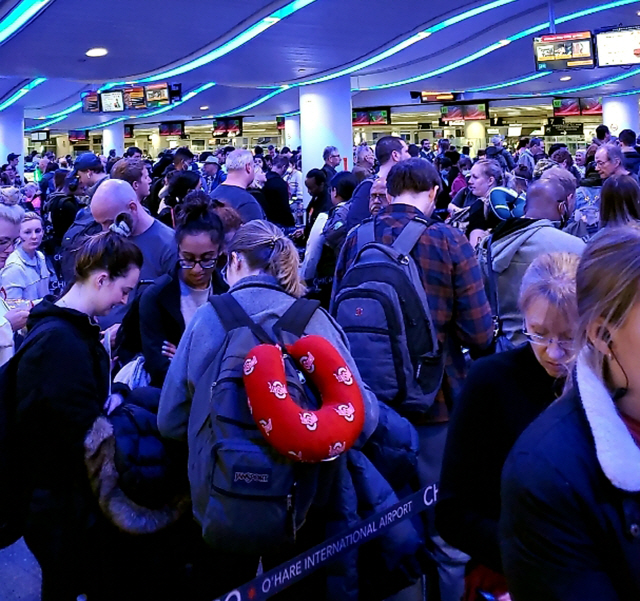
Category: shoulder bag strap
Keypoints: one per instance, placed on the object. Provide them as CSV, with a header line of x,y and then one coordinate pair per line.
x,y
297,317
366,234
409,237
233,316
492,282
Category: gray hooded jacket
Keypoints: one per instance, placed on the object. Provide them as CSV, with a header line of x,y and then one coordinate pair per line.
x,y
513,254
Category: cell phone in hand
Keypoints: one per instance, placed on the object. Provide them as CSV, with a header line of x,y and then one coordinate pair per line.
x,y
486,596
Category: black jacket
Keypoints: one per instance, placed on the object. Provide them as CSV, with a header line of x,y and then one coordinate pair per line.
x,y
161,319
276,208
570,521
631,161
502,395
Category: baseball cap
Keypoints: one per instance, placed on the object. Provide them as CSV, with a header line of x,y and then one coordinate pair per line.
x,y
212,159
87,161
12,157
497,139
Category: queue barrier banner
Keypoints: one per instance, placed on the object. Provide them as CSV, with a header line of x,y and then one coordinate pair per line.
x,y
276,580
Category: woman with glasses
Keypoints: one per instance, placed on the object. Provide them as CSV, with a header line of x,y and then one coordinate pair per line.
x,y
502,395
169,304
11,319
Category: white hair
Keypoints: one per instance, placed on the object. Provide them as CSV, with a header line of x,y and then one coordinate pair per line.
x,y
361,152
11,213
238,160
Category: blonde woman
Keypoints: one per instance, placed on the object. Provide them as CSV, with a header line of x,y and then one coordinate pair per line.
x,y
25,275
502,395
570,519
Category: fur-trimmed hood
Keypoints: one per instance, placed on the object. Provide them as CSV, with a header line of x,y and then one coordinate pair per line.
x,y
100,448
618,454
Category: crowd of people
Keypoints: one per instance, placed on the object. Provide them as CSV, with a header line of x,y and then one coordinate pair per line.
x,y
203,377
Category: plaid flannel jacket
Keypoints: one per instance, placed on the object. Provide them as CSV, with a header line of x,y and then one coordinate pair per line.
x,y
452,279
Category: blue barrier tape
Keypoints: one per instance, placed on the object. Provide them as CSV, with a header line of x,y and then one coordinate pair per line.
x,y
276,580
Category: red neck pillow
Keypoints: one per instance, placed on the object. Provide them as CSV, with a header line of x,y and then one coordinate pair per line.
x,y
301,434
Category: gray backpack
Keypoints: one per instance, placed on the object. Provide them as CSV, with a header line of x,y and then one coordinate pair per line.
x,y
247,497
382,306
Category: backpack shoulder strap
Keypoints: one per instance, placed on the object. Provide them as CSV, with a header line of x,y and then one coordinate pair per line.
x,y
366,234
233,316
297,317
491,279
409,236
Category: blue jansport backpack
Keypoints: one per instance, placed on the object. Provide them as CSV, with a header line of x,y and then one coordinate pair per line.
x,y
247,497
382,306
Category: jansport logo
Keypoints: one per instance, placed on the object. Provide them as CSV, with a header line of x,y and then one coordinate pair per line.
x,y
251,477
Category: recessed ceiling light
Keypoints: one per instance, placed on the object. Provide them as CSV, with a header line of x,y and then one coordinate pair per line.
x,y
204,108
96,52
638,13
566,78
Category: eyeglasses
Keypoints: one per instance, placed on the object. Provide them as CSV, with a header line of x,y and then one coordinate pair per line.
x,y
6,243
378,197
335,156
565,345
600,163
204,263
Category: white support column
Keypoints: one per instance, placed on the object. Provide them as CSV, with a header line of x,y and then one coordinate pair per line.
x,y
325,120
292,131
12,135
621,113
113,138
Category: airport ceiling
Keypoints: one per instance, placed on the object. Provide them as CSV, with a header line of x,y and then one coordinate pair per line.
x,y
258,53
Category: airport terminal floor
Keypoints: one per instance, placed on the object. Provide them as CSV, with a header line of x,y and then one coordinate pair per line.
x,y
320,300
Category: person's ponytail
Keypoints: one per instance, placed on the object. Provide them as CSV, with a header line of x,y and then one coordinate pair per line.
x,y
284,265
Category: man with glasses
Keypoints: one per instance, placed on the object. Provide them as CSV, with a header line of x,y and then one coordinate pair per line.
x,y
331,156
516,242
610,161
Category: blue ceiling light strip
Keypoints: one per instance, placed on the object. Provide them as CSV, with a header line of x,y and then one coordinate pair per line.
x,y
21,92
72,109
106,123
250,105
44,124
19,16
414,39
237,41
495,46
512,82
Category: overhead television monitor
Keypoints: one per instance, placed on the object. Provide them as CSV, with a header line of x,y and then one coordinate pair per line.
x,y
90,102
226,127
234,127
591,106
39,136
175,92
566,107
134,98
172,128
379,116
475,112
452,112
563,51
128,131
78,135
360,118
618,47
157,95
280,123
112,101
514,131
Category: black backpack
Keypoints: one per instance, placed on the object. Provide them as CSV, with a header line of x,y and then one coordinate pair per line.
x,y
83,227
12,502
382,306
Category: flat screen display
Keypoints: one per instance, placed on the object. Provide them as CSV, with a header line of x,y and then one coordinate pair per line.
x,y
379,117
280,123
128,131
591,106
618,47
112,102
566,107
175,92
78,135
157,95
564,51
227,127
474,112
39,136
452,113
372,116
514,131
134,98
172,128
90,102
360,118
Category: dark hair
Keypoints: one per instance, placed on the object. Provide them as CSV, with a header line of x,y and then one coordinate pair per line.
x,y
318,175
196,216
466,150
182,153
556,146
536,142
180,184
453,156
414,151
385,146
131,151
258,150
628,137
129,170
280,161
416,175
619,200
523,172
601,132
561,155
285,150
52,167
523,143
106,251
58,178
344,183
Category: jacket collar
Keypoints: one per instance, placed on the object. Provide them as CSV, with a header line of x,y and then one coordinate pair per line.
x,y
618,454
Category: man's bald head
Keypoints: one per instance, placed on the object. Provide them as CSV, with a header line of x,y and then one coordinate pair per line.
x,y
545,199
113,197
